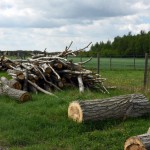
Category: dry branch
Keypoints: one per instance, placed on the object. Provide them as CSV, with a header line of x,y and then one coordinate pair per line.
x,y
40,89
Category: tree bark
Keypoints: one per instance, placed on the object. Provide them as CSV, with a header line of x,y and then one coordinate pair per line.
x,y
81,85
139,142
132,105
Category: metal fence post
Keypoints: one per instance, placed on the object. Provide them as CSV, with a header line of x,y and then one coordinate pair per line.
x,y
110,63
134,62
98,63
145,71
80,58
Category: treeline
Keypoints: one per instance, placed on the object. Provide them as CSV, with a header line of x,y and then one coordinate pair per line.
x,y
125,46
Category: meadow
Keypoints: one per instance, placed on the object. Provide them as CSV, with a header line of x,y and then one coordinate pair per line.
x,y
42,123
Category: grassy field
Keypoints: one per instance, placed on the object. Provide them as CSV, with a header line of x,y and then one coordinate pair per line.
x,y
116,63
42,123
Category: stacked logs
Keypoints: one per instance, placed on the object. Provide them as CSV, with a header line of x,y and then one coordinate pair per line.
x,y
46,73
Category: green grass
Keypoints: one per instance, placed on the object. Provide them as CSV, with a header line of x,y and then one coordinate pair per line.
x,y
42,123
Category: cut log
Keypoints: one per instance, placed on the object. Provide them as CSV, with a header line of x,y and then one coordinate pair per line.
x,y
20,76
58,65
17,94
46,68
132,105
4,81
139,142
13,71
14,84
11,83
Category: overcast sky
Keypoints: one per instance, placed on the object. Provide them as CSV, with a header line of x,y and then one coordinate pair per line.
x,y
53,24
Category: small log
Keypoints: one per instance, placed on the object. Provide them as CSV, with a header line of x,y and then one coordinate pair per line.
x,y
132,105
20,76
139,142
58,65
13,71
4,81
19,95
14,84
46,68
33,77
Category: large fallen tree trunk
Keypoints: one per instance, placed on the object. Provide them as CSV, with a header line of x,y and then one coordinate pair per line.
x,y
132,105
139,142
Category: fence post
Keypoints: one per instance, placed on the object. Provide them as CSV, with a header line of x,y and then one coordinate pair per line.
x,y
145,70
110,63
98,63
80,58
134,62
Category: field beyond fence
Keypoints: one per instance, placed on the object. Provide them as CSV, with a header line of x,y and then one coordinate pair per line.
x,y
110,63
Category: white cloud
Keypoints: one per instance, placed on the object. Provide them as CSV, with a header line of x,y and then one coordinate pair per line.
x,y
32,24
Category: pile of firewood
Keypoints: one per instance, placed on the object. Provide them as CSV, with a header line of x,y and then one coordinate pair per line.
x,y
45,73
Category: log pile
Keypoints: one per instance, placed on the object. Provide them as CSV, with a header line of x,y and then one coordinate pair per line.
x,y
132,105
46,73
139,142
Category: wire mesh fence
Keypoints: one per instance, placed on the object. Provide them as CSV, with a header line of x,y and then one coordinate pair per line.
x,y
113,63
